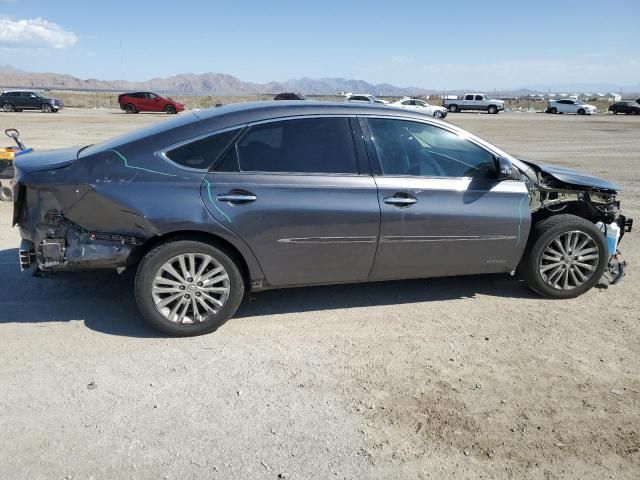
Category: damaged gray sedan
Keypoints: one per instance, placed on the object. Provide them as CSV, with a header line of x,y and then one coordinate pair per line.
x,y
266,195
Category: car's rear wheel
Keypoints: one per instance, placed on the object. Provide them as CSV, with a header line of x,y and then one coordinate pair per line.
x,y
553,110
492,109
614,111
453,108
130,108
7,107
185,288
170,109
5,194
581,111
566,256
45,107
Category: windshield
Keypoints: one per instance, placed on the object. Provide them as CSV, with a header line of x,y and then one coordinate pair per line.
x,y
579,102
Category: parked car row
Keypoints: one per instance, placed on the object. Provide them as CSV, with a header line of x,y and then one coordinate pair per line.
x,y
406,102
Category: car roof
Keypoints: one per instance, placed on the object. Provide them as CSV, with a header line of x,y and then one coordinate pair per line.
x,y
255,111
206,121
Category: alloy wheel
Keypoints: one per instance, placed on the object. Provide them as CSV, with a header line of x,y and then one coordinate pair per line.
x,y
569,260
190,288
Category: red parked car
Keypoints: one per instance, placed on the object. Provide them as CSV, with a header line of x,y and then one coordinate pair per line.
x,y
148,102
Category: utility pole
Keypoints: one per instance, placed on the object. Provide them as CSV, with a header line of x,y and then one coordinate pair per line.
x,y
122,64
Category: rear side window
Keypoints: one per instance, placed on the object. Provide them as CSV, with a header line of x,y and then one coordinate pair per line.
x,y
409,148
469,97
201,154
308,145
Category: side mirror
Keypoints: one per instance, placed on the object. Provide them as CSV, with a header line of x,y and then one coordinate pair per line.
x,y
506,170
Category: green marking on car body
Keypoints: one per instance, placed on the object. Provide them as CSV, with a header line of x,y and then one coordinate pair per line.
x,y
126,164
213,203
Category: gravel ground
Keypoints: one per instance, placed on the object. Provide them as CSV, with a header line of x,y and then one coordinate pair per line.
x,y
470,377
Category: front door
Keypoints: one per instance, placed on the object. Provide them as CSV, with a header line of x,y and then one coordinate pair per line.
x,y
301,197
442,211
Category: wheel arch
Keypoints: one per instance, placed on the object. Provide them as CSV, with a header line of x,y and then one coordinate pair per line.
x,y
248,265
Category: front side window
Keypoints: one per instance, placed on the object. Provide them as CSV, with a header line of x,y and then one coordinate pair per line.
x,y
479,97
201,154
307,145
409,148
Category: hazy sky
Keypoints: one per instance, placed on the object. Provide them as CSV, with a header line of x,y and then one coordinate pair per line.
x,y
439,44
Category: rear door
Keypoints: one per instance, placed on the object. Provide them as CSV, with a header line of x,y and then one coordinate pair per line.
x,y
442,211
299,192
154,104
469,103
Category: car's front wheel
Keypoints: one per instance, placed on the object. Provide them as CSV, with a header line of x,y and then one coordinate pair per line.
x,y
492,109
437,114
566,256
185,287
45,107
581,111
170,109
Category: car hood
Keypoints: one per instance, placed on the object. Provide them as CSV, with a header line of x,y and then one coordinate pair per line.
x,y
46,160
573,177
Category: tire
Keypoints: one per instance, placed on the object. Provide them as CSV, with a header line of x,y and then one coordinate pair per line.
x,y
453,108
130,108
492,109
170,109
437,114
46,108
615,112
152,268
538,256
581,111
7,107
553,110
5,194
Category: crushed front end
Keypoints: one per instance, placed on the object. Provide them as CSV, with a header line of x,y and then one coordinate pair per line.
x,y
556,190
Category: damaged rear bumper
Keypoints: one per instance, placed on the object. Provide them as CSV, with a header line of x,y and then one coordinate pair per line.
x,y
70,247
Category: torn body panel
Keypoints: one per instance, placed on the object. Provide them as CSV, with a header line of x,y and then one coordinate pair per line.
x,y
101,211
561,190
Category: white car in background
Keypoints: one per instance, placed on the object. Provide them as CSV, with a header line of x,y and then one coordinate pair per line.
x,y
363,98
567,105
420,106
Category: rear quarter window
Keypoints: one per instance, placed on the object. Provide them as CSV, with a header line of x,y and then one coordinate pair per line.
x,y
202,154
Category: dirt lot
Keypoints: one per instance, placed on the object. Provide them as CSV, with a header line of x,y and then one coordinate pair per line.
x,y
445,378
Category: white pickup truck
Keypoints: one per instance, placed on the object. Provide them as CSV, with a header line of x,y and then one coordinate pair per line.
x,y
473,101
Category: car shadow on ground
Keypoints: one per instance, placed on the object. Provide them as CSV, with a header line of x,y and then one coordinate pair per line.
x,y
104,301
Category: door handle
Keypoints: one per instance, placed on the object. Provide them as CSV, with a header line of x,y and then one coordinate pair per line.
x,y
236,197
400,200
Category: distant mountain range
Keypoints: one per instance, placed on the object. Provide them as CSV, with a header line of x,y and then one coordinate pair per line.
x,y
203,84
223,84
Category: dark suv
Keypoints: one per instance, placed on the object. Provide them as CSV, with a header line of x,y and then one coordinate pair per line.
x,y
18,100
